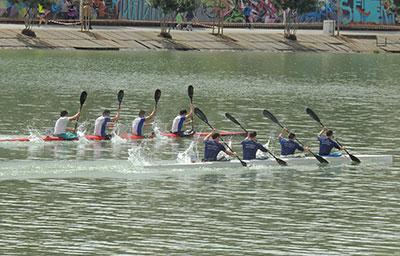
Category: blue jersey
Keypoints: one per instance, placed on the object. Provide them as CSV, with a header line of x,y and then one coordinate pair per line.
x,y
288,147
326,145
250,148
211,150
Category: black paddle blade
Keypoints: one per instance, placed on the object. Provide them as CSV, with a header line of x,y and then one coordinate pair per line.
x,y
281,162
271,117
190,92
321,159
83,97
157,95
314,116
230,117
243,163
120,96
354,158
200,115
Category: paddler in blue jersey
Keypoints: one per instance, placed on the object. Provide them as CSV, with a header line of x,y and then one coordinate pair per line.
x,y
103,122
326,143
140,122
179,121
250,146
289,145
60,128
212,147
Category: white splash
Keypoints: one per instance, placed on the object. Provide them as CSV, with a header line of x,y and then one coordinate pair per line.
x,y
137,154
190,155
116,139
222,155
264,155
34,135
81,131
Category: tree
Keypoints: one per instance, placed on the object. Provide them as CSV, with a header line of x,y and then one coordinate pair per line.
x,y
218,9
31,12
170,9
290,10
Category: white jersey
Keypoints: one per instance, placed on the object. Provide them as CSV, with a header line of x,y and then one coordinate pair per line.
x,y
100,125
177,124
61,125
137,126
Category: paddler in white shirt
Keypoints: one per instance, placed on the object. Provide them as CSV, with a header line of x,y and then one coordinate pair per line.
x,y
140,122
60,128
179,121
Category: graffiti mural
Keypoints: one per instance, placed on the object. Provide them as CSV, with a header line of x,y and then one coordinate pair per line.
x,y
101,9
351,11
263,11
371,11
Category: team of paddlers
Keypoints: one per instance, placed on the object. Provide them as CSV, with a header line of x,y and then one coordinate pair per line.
x,y
212,144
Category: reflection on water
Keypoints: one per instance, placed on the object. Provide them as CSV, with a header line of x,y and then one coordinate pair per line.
x,y
86,197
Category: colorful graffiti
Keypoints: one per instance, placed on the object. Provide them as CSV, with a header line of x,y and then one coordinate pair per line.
x,y
101,9
263,11
371,11
351,11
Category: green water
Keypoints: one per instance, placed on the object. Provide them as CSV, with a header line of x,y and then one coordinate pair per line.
x,y
56,197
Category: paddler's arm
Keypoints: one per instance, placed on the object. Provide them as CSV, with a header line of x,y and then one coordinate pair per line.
x,y
74,117
209,135
116,117
322,131
284,130
190,112
152,114
230,153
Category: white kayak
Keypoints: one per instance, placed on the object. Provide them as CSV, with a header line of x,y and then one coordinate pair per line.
x,y
377,160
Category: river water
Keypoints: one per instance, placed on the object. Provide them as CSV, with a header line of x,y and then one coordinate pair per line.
x,y
92,198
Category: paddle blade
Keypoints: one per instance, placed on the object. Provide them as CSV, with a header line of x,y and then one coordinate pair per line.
x,y
120,96
321,159
230,117
83,97
200,115
243,163
271,117
353,158
157,95
314,116
190,92
281,162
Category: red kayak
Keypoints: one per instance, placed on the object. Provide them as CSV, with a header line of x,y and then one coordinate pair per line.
x,y
130,137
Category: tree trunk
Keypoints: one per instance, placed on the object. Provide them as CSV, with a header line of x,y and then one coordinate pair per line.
x,y
290,23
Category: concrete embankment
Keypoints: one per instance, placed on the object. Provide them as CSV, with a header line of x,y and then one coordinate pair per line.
x,y
128,38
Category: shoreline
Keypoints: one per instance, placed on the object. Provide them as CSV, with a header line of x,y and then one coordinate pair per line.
x,y
200,39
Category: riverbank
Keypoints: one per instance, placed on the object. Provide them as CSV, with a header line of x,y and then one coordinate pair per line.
x,y
201,39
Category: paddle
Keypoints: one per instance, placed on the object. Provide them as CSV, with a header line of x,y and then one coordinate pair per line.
x,y
314,116
190,94
203,117
120,97
157,96
82,101
271,117
280,161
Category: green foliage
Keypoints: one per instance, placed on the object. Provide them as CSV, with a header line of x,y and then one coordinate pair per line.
x,y
301,6
236,16
173,6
